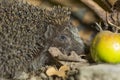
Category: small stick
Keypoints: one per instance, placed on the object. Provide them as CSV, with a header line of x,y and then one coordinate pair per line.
x,y
109,22
96,8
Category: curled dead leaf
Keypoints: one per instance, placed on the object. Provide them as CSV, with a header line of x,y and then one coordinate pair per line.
x,y
55,52
51,71
64,68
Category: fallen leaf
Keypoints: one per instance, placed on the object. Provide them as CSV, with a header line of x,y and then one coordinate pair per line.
x,y
51,71
64,68
55,52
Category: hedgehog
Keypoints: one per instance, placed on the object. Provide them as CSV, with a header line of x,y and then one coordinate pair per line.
x,y
27,32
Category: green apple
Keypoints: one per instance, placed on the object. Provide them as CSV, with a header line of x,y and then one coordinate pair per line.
x,y
106,47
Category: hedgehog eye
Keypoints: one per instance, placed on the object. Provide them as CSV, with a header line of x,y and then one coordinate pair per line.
x,y
62,37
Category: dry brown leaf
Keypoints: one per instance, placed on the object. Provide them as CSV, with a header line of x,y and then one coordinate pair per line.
x,y
51,71
64,68
55,52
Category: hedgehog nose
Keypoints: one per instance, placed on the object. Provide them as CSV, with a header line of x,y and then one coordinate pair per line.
x,y
79,49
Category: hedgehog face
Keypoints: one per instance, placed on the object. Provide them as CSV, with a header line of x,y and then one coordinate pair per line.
x,y
61,32
68,41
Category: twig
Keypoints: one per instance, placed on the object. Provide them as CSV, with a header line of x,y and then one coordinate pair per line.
x,y
112,24
96,8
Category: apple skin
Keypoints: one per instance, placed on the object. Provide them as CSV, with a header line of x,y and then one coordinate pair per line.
x,y
106,47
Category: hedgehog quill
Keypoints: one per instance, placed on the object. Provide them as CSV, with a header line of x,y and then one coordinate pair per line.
x,y
26,33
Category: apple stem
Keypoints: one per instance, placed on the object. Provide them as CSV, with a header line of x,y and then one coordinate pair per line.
x,y
99,26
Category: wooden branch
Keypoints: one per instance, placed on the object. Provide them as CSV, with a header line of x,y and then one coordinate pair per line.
x,y
96,8
109,18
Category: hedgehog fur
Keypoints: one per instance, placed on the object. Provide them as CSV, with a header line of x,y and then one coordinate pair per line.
x,y
26,33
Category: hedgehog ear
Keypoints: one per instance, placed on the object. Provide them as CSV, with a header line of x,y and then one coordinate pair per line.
x,y
49,32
